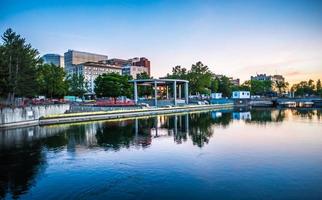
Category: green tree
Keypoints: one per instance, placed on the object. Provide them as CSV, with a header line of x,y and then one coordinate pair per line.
x,y
112,85
18,67
77,85
199,77
144,90
51,81
214,85
225,86
303,88
318,87
281,86
259,87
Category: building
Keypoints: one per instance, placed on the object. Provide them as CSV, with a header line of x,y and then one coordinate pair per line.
x,y
73,58
133,66
264,77
143,62
261,77
233,81
55,59
216,95
118,62
91,70
134,70
241,95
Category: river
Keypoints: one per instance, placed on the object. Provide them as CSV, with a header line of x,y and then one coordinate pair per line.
x,y
229,154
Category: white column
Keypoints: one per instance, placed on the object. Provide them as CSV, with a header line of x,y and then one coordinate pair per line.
x,y
179,91
155,94
186,95
135,92
167,89
175,92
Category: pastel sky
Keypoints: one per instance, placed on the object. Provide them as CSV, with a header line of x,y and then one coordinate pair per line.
x,y
236,38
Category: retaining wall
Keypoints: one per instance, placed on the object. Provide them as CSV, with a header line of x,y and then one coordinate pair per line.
x,y
29,115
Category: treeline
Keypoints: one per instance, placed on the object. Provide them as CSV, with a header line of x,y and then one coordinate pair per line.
x,y
23,74
307,88
203,81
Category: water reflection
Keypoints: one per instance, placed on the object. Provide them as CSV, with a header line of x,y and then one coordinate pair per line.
x,y
23,151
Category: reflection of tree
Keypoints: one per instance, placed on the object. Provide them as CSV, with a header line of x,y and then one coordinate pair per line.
x,y
260,116
118,135
305,113
224,120
200,128
280,116
19,168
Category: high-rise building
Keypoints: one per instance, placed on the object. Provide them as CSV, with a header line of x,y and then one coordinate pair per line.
x,y
55,59
73,58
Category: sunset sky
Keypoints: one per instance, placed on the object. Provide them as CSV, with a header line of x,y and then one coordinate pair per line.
x,y
236,38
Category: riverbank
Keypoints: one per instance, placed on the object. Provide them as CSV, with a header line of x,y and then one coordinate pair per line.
x,y
93,116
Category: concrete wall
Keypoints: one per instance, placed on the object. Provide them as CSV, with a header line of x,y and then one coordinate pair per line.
x,y
16,116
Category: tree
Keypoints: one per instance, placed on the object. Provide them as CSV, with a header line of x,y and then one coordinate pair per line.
x,y
304,88
51,81
18,67
318,87
199,77
259,87
112,85
214,85
225,86
77,85
281,86
144,90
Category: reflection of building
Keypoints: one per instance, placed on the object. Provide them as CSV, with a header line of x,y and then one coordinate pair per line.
x,y
91,70
73,58
55,59
242,115
216,114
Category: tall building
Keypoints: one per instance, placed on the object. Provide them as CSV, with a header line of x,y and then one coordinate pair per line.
x,y
91,70
55,59
73,58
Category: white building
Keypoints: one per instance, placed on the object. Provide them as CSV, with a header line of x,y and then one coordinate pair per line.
x,y
241,95
91,70
242,116
134,70
216,95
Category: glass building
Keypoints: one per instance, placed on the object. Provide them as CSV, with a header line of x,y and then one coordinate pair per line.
x,y
55,59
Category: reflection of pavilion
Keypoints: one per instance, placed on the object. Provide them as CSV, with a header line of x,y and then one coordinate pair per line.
x,y
164,126
161,89
242,115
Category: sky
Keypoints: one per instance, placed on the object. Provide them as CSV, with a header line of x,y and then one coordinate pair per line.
x,y
235,38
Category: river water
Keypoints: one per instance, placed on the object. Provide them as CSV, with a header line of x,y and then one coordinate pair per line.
x,y
230,154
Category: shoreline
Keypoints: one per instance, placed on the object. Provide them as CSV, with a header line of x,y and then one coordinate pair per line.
x,y
94,116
